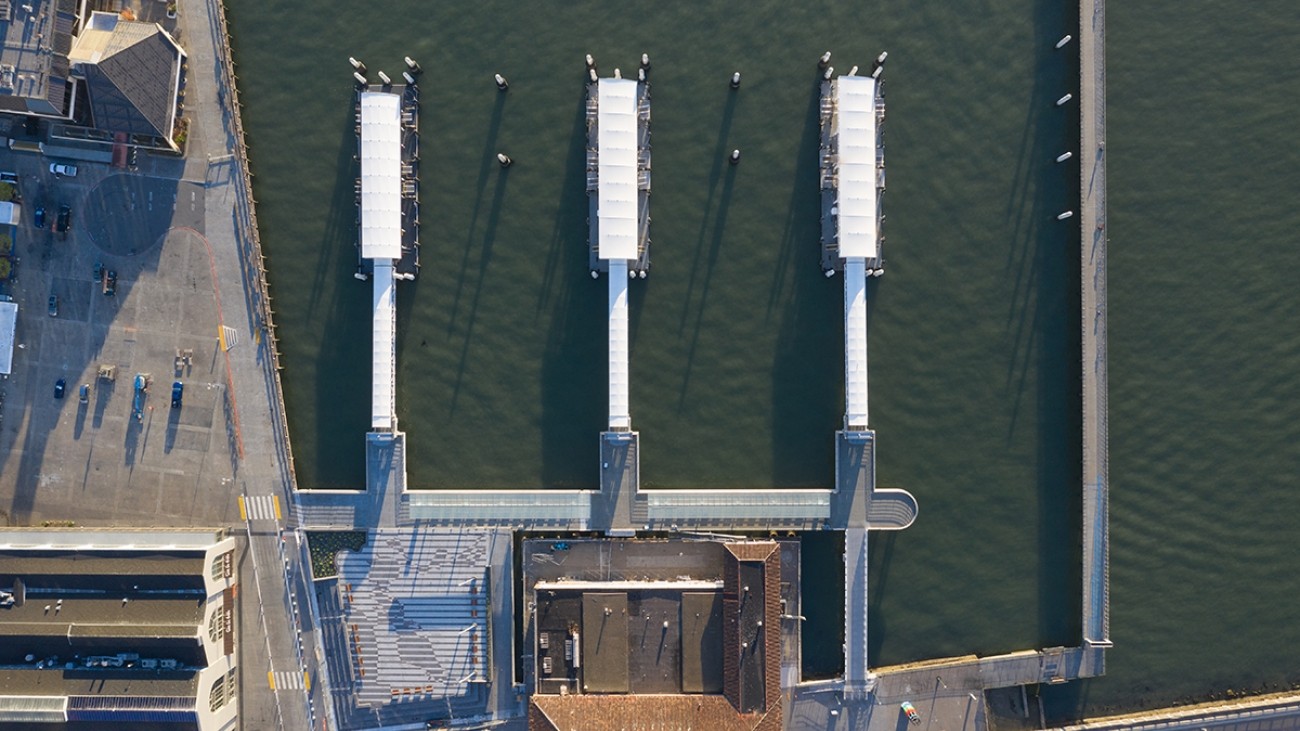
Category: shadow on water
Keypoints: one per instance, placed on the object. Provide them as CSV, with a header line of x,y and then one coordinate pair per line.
x,y
711,261
880,547
806,375
715,173
488,158
572,404
1042,324
821,574
339,449
485,258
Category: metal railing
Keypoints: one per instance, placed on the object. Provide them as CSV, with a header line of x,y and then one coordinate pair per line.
x,y
247,237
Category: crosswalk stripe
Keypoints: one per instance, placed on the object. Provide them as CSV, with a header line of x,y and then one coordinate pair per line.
x,y
288,680
259,507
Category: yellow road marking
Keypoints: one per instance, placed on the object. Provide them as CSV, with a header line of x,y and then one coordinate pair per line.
x,y
270,678
275,500
306,679
243,515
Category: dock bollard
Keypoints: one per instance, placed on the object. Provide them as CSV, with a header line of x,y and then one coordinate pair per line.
x,y
592,73
640,74
1064,99
824,61
735,157
357,65
502,84
504,159
361,80
645,61
735,80
1064,156
384,78
829,70
412,65
853,71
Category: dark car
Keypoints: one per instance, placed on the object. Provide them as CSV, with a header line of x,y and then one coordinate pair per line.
x,y
65,219
83,395
178,391
54,305
110,282
59,387
40,217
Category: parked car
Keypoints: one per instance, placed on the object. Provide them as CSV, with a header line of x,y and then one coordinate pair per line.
x,y
54,305
83,394
64,220
910,711
9,178
110,282
59,387
178,391
63,169
99,271
40,217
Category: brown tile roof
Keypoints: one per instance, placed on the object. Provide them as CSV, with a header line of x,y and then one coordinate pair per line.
x,y
751,550
644,713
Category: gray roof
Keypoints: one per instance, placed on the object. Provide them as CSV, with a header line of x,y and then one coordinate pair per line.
x,y
34,56
132,87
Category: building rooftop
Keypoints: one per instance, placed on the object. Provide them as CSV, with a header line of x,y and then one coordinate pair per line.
x,y
631,648
98,682
132,72
34,55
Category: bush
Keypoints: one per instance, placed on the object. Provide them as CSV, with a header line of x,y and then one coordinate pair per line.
x,y
6,268
324,547
7,192
6,243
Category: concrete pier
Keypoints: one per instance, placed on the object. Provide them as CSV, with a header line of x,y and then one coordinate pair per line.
x,y
1092,225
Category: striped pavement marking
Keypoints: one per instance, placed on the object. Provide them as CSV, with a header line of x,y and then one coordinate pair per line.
x,y
259,507
287,679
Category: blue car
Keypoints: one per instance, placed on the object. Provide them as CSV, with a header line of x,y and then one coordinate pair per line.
x,y
178,390
59,387
40,217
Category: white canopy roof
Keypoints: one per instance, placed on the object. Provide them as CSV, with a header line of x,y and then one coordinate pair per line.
x,y
383,348
855,113
8,323
381,175
617,182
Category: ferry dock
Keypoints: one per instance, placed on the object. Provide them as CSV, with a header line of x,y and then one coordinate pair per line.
x,y
617,182
618,169
407,266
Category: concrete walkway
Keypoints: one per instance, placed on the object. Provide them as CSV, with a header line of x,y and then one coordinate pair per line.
x,y
1092,155
263,467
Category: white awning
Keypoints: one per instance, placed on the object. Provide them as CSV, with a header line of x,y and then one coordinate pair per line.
x,y
383,348
381,175
8,324
616,206
855,343
619,410
855,132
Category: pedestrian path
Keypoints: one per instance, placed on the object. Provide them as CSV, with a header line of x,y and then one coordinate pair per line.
x,y
259,507
288,680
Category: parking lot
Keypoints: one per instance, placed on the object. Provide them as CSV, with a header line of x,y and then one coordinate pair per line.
x,y
92,462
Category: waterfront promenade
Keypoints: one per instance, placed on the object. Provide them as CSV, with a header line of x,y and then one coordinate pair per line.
x,y
217,158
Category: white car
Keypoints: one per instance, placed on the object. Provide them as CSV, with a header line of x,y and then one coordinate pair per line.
x,y
61,169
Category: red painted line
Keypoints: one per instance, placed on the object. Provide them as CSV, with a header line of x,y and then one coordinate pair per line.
x,y
221,322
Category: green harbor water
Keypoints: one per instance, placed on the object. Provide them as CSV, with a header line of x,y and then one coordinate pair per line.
x,y
737,339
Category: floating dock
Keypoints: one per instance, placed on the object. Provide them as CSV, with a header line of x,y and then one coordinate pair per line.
x,y
407,266
618,173
852,166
